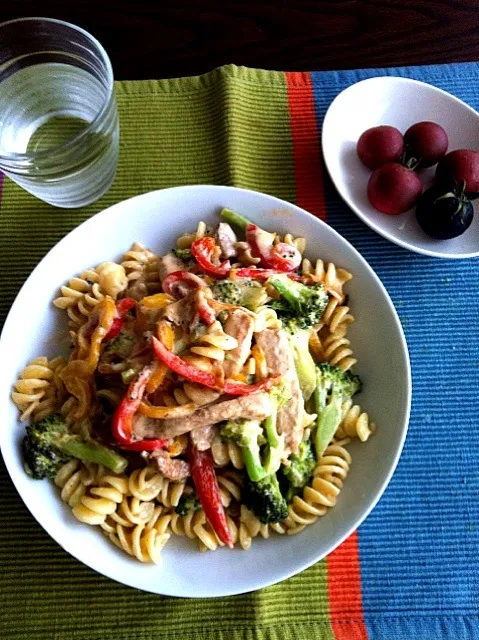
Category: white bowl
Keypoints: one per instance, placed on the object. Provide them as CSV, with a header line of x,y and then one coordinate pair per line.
x,y
34,327
399,102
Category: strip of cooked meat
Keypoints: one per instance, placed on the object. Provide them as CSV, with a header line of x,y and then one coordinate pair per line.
x,y
169,264
255,406
203,437
183,313
172,468
279,360
226,239
240,325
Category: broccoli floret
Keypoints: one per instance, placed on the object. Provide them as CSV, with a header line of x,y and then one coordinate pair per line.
x,y
248,435
306,303
265,500
187,504
299,309
333,388
47,446
183,254
241,292
293,478
121,346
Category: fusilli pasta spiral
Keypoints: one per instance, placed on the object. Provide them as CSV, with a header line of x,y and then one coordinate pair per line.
x,y
226,452
355,423
329,275
39,391
214,342
185,241
141,268
322,495
79,297
112,278
142,543
101,500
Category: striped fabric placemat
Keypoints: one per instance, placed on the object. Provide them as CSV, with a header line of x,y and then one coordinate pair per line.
x,y
411,569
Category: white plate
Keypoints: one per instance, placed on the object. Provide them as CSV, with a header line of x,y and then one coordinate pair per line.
x,y
34,328
399,102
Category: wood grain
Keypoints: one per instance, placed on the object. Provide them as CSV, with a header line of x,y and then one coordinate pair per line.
x,y
155,39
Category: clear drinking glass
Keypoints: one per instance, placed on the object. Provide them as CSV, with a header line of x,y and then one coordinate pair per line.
x,y
58,117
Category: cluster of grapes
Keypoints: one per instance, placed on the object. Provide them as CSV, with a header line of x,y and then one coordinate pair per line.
x,y
444,211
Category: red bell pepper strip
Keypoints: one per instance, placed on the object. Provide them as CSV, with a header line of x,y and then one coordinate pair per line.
x,y
173,281
208,492
284,257
261,274
235,388
122,307
122,421
181,367
281,256
202,251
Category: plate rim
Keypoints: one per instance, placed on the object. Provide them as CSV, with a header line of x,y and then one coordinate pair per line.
x,y
385,234
50,529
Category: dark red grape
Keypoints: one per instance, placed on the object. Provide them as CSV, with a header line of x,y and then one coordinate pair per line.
x,y
380,145
393,188
426,142
460,166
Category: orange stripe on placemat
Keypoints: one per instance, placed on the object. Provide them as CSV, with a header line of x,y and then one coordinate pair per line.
x,y
344,578
344,589
308,164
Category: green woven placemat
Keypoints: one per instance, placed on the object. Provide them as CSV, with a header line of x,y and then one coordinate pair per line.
x,y
230,127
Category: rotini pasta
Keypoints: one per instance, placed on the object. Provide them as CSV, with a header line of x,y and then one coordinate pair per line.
x,y
141,268
112,278
266,318
38,391
333,278
205,403
355,423
214,342
185,241
79,297
102,500
225,453
142,543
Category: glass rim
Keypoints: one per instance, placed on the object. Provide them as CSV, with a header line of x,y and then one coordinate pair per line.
x,y
65,146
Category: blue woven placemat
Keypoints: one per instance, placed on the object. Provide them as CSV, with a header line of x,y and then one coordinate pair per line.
x,y
419,547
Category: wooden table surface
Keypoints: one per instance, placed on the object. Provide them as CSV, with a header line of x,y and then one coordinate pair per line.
x,y
169,38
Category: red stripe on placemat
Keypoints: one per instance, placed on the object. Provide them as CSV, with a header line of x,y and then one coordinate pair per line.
x,y
308,162
344,589
344,577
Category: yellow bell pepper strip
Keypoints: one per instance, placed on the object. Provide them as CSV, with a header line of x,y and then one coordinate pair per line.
x,y
202,251
122,307
167,336
122,421
157,301
208,492
158,412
